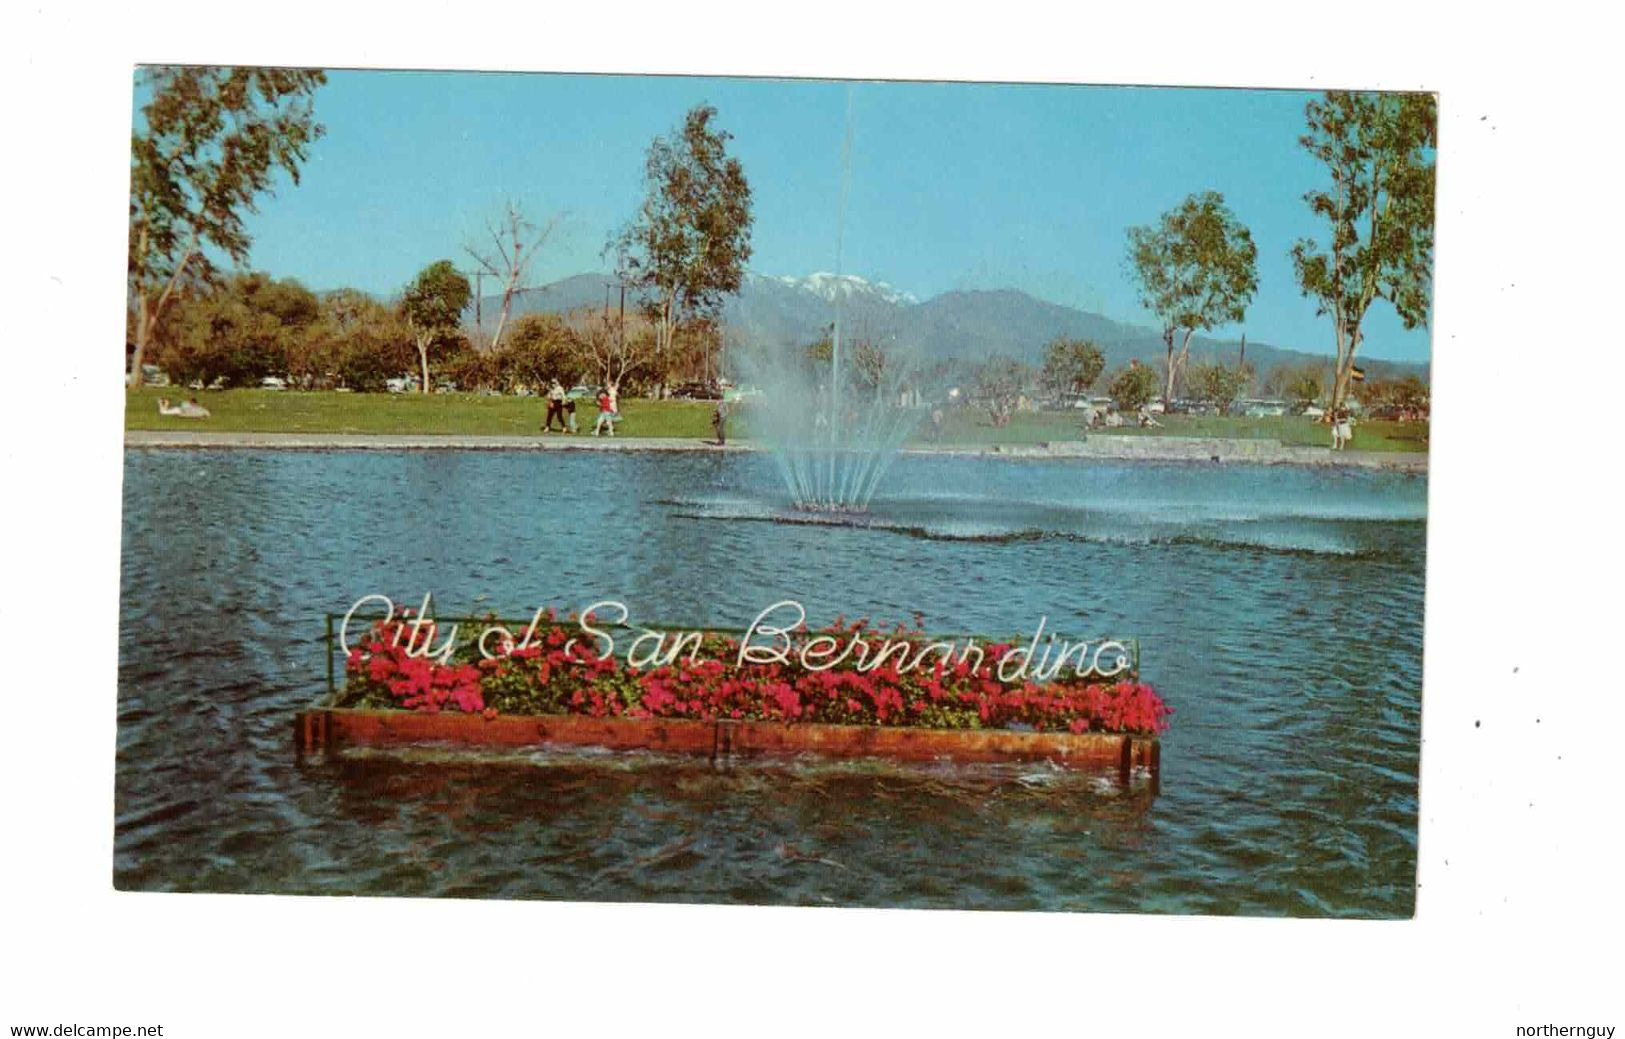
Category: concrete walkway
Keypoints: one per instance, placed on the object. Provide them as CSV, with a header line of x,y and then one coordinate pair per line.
x,y
1129,448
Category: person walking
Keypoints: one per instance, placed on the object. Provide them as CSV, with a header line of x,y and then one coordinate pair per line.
x,y
570,413
1342,431
719,422
606,413
555,408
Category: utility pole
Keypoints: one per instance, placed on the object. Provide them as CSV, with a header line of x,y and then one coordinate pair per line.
x,y
479,291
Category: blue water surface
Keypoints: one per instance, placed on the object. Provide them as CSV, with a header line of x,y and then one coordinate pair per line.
x,y
1279,611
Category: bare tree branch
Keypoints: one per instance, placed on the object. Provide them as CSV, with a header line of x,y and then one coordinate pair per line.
x,y
515,241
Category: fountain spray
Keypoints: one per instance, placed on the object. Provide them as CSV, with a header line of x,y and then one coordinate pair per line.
x,y
833,453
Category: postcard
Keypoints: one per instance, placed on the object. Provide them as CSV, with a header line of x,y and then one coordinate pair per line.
x,y
775,492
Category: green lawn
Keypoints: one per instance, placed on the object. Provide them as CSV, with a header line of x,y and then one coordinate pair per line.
x,y
972,426
286,411
271,411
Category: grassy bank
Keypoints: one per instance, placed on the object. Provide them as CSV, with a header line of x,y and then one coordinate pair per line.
x,y
273,411
269,411
971,426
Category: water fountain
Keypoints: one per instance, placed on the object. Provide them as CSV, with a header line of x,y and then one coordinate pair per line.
x,y
833,426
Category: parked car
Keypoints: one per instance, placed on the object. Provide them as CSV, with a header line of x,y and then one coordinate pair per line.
x,y
1263,408
581,391
272,382
697,390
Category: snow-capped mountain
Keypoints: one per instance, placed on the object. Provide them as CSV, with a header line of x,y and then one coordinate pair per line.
x,y
963,323
827,286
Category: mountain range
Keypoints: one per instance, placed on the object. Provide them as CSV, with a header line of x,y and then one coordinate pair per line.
x,y
962,324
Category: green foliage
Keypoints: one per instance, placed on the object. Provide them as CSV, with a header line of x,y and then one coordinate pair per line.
x,y
1304,388
1196,268
475,370
540,348
436,298
1299,384
940,716
1409,395
820,352
537,349
240,333
252,326
687,247
363,343
873,368
819,355
1217,382
1133,387
1378,150
433,305
1000,382
868,367
1071,365
209,145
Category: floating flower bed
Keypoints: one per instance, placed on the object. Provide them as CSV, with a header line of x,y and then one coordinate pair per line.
x,y
553,671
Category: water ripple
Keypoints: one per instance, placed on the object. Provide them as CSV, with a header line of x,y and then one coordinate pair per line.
x,y
1279,610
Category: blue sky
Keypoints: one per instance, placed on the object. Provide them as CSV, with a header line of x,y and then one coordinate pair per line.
x,y
953,185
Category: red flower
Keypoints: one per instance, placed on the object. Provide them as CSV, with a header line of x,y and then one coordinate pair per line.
x,y
710,687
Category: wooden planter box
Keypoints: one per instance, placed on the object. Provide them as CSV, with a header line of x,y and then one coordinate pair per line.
x,y
330,728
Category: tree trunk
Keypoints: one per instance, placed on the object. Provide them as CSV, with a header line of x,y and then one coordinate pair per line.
x,y
663,337
502,320
1347,337
1345,370
423,363
1168,389
147,316
1184,358
515,269
143,330
507,303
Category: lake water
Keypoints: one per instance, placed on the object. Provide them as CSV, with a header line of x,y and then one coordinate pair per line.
x,y
1279,610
